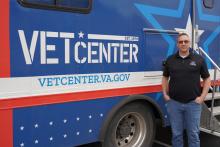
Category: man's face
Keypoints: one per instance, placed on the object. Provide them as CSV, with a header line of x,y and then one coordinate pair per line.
x,y
183,43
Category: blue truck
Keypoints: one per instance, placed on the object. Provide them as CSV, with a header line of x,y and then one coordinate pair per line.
x,y
74,72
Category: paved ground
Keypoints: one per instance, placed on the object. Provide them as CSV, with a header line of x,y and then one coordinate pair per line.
x,y
164,135
207,140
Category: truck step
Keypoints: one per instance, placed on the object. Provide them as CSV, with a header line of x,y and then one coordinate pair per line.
x,y
217,134
216,111
210,122
209,96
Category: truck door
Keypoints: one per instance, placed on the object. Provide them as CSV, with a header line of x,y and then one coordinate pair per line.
x,y
206,30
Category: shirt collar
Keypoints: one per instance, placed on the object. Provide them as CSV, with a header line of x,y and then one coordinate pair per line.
x,y
189,56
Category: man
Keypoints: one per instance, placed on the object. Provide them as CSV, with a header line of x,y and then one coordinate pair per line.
x,y
183,93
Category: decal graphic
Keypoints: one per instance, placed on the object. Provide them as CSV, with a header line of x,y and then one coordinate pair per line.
x,y
96,51
148,12
83,79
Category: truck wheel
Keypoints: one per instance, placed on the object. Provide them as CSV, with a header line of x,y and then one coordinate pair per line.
x,y
132,126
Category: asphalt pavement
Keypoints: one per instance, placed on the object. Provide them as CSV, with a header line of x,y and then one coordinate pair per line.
x,y
163,135
163,139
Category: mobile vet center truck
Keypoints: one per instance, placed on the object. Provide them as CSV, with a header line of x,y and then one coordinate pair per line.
x,y
79,71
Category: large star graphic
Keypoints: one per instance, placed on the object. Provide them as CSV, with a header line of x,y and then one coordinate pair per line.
x,y
148,12
188,29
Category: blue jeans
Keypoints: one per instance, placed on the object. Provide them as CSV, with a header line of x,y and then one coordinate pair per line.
x,y
184,116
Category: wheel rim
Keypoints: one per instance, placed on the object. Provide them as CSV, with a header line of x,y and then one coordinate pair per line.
x,y
131,130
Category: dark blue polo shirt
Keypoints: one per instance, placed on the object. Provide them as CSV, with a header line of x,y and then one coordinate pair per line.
x,y
184,74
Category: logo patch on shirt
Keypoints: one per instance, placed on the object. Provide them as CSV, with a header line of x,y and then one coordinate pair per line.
x,y
192,63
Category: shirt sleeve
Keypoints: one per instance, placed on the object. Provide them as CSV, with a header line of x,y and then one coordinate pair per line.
x,y
204,72
165,69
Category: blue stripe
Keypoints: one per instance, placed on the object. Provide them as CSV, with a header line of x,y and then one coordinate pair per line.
x,y
147,11
210,18
162,11
206,17
209,40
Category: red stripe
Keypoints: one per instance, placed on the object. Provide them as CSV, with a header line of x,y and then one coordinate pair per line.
x,y
6,132
215,83
70,97
4,39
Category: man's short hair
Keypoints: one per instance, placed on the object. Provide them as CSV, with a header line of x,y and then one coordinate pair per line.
x,y
182,34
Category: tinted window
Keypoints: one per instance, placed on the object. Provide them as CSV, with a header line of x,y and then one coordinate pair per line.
x,y
81,6
74,3
208,3
44,2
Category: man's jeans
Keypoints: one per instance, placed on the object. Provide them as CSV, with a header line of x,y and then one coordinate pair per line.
x,y
184,116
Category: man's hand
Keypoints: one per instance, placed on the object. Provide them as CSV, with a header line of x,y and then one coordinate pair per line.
x,y
165,88
166,97
206,86
199,100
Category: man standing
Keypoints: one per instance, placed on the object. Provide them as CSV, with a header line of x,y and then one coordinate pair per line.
x,y
183,93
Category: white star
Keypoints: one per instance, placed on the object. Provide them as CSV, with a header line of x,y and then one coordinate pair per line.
x,y
22,144
77,118
36,126
36,141
101,115
51,123
188,29
64,121
22,128
77,133
90,116
51,138
90,130
65,136
81,34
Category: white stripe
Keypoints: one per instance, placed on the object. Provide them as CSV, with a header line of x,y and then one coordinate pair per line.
x,y
30,86
211,71
112,37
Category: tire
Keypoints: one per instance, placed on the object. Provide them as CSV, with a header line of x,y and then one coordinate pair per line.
x,y
132,126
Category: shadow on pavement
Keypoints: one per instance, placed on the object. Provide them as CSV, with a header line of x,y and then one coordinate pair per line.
x,y
163,135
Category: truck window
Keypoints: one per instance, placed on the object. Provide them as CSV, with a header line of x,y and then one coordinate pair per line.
x,y
77,6
42,2
73,3
208,3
